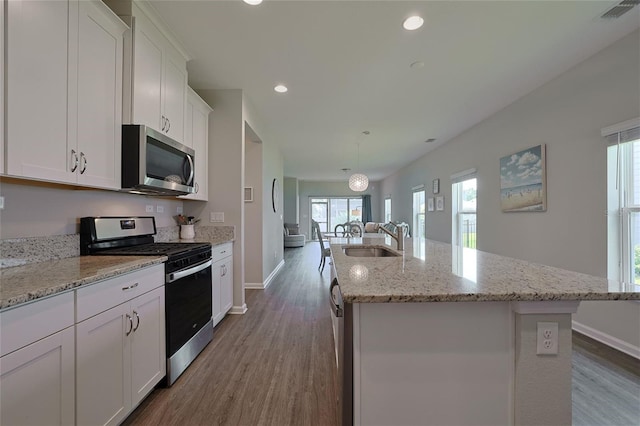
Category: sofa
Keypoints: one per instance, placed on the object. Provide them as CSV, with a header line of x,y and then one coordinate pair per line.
x,y
292,236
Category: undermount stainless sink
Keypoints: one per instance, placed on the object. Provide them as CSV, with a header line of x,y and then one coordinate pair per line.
x,y
369,252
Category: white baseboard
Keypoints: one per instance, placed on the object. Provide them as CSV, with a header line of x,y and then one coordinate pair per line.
x,y
238,310
273,273
254,286
607,339
262,286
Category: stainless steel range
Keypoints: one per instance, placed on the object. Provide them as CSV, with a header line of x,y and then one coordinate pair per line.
x,y
188,307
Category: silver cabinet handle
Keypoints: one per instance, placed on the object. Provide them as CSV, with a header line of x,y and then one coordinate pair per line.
x,y
137,320
168,125
134,285
83,163
197,187
130,325
74,160
163,121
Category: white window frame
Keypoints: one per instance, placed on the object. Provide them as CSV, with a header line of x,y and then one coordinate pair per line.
x,y
456,202
620,207
415,224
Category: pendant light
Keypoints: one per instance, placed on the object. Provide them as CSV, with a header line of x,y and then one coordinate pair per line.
x,y
359,182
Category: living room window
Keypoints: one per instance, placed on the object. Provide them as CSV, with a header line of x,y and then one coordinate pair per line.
x,y
419,214
464,198
623,201
387,210
332,211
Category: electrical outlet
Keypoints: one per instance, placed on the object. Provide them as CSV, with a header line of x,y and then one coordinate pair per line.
x,y
179,210
216,217
547,342
160,209
149,209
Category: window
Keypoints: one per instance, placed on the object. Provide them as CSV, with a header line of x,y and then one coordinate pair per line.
x,y
464,198
329,212
419,229
623,201
387,210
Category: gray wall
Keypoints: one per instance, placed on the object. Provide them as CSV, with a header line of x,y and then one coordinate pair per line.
x,y
291,201
566,114
308,189
272,222
253,212
33,209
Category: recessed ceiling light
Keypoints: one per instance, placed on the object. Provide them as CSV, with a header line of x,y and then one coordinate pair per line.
x,y
413,23
252,2
417,65
280,88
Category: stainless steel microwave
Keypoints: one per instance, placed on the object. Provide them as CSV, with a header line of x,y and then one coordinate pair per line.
x,y
155,164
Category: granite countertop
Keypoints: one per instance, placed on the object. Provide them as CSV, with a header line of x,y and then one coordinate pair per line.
x,y
22,284
437,274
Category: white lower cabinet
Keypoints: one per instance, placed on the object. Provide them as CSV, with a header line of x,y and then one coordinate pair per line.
x,y
120,358
222,277
37,382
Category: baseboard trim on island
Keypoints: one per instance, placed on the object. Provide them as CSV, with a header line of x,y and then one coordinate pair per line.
x,y
238,310
267,282
607,339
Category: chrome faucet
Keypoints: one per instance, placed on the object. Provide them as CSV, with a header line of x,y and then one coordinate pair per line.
x,y
398,236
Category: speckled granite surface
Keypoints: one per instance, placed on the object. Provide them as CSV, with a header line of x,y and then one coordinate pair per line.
x,y
435,274
212,234
29,282
22,251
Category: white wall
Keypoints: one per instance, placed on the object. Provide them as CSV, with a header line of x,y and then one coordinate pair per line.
x,y
308,189
566,114
272,222
33,209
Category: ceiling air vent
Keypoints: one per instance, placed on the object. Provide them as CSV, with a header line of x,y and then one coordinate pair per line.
x,y
620,9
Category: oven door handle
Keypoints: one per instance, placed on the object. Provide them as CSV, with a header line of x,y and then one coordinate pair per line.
x,y
337,309
174,276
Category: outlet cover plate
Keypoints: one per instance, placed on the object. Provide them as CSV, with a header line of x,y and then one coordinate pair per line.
x,y
547,341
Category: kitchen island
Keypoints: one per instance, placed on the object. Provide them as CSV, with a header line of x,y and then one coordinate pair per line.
x,y
447,335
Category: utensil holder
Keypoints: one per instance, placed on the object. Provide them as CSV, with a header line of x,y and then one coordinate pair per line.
x,y
187,232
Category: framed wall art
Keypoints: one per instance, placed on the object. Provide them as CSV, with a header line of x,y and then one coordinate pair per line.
x,y
430,204
440,203
523,182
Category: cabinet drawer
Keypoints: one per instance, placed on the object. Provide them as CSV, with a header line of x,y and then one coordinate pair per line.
x,y
221,251
96,298
28,323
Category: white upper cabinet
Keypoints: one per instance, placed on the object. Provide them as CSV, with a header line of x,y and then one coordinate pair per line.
x,y
37,90
196,136
159,75
99,105
64,88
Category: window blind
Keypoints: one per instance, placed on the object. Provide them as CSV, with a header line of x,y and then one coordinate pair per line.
x,y
626,131
463,175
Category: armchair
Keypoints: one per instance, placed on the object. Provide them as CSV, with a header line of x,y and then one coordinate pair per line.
x,y
292,235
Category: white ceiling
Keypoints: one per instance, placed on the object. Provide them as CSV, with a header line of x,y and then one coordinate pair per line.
x,y
346,64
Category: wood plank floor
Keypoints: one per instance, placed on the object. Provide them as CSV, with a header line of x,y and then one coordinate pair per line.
x,y
275,365
606,385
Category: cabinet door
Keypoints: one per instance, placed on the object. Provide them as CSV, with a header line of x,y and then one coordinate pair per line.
x,y
147,74
103,367
37,382
226,287
148,352
100,44
175,93
37,90
197,137
216,278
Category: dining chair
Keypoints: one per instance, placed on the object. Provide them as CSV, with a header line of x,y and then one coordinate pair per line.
x,y
324,251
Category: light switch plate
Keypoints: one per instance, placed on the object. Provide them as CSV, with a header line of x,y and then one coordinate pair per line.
x,y
1,203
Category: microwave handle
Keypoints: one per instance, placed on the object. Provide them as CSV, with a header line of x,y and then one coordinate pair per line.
x,y
191,171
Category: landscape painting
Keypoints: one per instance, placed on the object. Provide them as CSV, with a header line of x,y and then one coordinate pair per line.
x,y
523,181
